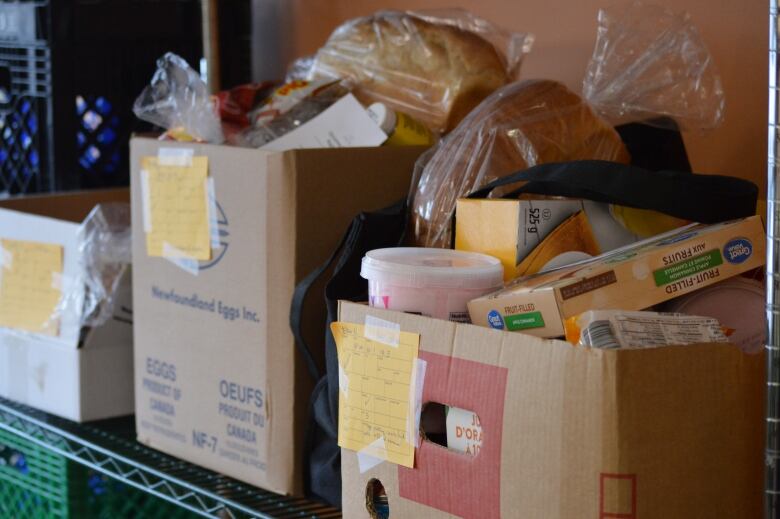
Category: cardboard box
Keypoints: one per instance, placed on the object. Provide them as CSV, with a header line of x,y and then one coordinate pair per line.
x,y
218,378
634,277
511,229
667,432
80,374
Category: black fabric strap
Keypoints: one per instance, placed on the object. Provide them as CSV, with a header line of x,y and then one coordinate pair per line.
x,y
690,196
298,299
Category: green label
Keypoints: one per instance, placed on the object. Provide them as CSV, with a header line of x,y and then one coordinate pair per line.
x,y
524,321
687,268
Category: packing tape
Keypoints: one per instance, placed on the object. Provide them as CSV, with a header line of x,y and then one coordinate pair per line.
x,y
17,366
379,330
180,259
6,257
57,280
175,156
367,461
146,202
343,381
211,205
416,391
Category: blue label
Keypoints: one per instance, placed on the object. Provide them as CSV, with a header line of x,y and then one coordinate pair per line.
x,y
495,320
738,250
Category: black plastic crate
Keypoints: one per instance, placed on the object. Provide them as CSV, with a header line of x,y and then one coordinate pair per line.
x,y
69,73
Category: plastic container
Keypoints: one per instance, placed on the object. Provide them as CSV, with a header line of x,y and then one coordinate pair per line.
x,y
401,129
436,283
738,303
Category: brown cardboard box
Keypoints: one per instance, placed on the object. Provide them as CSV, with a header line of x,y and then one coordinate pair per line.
x,y
218,381
568,432
81,373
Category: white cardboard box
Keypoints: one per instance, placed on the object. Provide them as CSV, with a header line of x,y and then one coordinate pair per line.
x,y
82,374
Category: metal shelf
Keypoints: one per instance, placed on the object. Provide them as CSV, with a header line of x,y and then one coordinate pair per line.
x,y
109,447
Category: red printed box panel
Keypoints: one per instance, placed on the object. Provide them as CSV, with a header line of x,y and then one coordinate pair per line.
x,y
460,484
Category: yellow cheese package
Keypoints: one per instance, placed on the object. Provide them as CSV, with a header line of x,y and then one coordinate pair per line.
x,y
531,235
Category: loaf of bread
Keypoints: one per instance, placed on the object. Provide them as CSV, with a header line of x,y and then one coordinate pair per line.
x,y
435,72
521,125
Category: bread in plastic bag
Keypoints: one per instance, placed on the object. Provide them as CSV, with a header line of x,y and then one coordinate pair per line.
x,y
435,66
523,124
178,99
649,62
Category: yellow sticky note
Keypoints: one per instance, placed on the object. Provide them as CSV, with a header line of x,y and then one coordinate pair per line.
x,y
376,391
175,203
30,277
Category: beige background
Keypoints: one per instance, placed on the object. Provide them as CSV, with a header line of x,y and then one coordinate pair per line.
x,y
735,31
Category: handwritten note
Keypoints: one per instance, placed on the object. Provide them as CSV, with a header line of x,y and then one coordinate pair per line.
x,y
176,208
376,389
30,276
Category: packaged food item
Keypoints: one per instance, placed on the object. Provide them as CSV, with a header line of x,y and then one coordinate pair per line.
x,y
288,108
401,129
235,105
344,124
634,277
435,66
571,241
613,329
644,222
529,235
464,431
521,125
178,99
432,282
650,61
738,303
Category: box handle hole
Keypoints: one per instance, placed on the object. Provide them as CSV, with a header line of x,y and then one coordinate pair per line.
x,y
456,429
376,500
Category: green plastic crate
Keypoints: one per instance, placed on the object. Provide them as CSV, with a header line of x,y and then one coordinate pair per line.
x,y
36,483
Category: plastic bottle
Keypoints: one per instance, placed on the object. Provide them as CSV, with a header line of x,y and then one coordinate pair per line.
x,y
401,129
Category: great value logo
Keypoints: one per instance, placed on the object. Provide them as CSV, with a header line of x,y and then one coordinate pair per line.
x,y
495,320
738,250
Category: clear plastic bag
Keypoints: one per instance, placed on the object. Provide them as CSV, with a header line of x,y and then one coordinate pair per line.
x,y
521,125
650,62
105,249
286,112
435,66
178,99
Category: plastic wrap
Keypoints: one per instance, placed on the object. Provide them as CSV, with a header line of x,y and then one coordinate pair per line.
x,y
521,125
292,105
105,251
649,61
435,66
177,99
69,284
620,329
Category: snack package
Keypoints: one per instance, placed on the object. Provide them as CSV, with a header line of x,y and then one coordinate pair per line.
x,y
235,105
177,99
634,277
521,125
290,106
613,329
650,61
435,66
